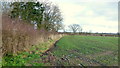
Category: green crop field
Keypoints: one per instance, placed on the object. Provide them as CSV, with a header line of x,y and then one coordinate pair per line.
x,y
87,51
74,50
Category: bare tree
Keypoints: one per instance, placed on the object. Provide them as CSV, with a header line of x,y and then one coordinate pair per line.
x,y
52,16
80,29
74,27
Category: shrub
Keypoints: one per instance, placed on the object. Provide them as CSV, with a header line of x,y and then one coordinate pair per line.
x,y
19,36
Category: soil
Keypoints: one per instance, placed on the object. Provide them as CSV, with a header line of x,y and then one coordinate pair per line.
x,y
58,61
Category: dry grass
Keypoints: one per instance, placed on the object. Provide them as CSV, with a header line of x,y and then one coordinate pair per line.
x,y
19,36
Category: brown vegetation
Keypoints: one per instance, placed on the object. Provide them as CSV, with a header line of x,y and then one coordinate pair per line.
x,y
19,36
89,34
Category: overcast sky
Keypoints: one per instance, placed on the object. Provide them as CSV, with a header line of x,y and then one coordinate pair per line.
x,y
94,15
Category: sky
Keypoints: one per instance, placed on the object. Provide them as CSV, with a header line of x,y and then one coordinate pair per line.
x,y
91,15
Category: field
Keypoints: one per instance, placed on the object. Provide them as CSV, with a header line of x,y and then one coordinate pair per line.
x,y
86,51
71,50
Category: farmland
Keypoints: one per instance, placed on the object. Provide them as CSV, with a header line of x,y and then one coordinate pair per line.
x,y
44,33
86,51
71,50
